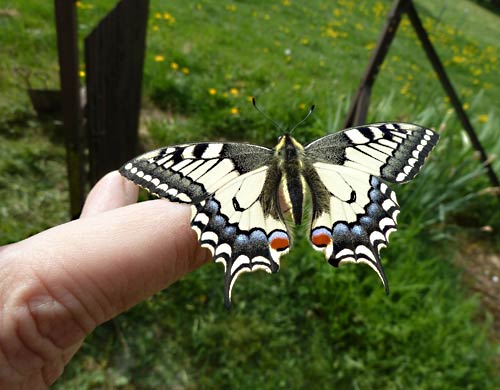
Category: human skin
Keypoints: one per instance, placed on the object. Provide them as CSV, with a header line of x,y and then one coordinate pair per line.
x,y
57,286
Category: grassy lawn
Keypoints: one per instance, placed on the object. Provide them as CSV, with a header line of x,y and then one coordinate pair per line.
x,y
309,325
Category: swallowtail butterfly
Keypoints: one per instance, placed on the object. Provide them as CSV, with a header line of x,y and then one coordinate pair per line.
x,y
240,194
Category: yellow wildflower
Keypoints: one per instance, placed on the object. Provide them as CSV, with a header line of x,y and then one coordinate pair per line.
x,y
81,5
169,18
159,58
81,73
234,91
174,65
331,33
185,70
483,118
286,3
156,27
212,91
458,59
466,106
304,41
235,111
370,46
302,106
158,15
405,89
378,9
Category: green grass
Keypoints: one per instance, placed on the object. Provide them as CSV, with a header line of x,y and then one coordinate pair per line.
x,y
309,325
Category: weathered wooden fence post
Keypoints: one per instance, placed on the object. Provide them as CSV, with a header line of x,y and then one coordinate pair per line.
x,y
114,56
67,45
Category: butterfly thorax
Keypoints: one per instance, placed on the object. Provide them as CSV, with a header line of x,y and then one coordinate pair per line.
x,y
290,155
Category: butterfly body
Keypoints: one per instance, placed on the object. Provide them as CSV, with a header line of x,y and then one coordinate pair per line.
x,y
240,193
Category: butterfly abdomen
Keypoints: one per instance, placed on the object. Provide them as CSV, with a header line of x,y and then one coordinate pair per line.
x,y
291,156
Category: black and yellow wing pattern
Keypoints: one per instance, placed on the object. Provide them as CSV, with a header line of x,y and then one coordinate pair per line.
x,y
240,194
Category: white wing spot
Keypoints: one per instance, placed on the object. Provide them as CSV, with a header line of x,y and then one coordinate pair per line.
x,y
241,260
385,222
183,197
188,152
172,191
162,160
400,177
203,218
210,236
357,137
224,248
361,249
212,151
377,236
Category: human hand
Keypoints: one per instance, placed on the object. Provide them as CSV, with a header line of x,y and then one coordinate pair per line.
x,y
58,285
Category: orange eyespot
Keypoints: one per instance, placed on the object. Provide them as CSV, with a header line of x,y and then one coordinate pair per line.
x,y
279,241
321,237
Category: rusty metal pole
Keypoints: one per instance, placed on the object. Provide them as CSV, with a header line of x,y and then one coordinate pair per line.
x,y
67,45
450,91
359,106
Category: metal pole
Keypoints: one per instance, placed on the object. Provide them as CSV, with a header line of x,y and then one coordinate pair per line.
x,y
359,106
448,87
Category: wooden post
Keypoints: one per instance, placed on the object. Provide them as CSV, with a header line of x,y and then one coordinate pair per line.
x,y
67,44
114,56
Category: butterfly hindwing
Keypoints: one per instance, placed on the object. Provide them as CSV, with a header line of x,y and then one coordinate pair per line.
x,y
233,192
234,225
353,211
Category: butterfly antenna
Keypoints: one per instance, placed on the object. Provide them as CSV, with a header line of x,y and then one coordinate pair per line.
x,y
254,102
303,120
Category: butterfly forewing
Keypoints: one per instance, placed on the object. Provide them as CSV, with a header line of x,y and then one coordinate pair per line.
x,y
392,151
